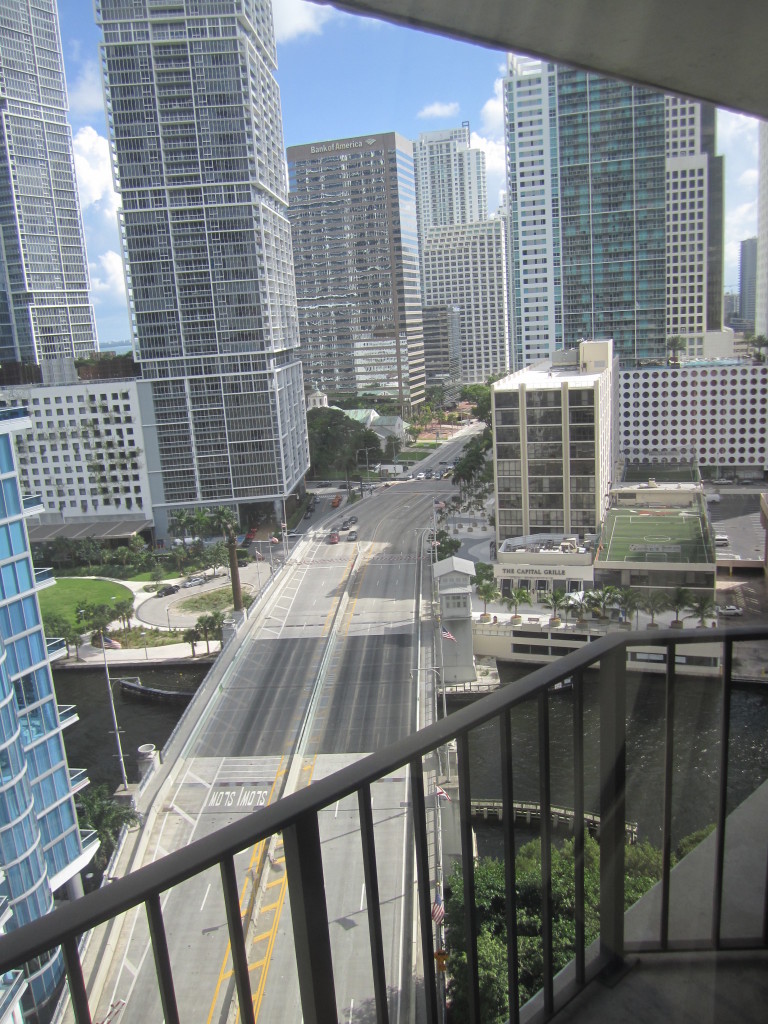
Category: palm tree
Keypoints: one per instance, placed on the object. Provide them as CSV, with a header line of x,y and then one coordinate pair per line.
x,y
679,599
703,606
98,811
224,521
655,601
603,600
191,636
628,601
759,343
555,601
209,627
580,605
487,590
124,610
201,522
516,597
675,345
181,524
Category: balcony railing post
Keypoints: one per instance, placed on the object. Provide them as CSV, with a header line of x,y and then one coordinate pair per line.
x,y
613,755
309,913
468,870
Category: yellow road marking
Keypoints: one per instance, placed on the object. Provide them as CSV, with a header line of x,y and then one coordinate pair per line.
x,y
256,856
258,998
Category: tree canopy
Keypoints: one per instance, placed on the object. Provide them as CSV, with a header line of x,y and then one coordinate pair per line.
x,y
335,441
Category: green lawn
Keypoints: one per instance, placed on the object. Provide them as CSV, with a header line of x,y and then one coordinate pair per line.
x,y
212,601
71,593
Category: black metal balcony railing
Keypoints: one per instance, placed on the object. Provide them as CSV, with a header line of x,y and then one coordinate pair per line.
x,y
297,818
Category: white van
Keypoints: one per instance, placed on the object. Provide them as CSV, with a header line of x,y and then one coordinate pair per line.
x,y
721,540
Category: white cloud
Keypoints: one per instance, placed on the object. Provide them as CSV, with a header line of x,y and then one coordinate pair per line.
x,y
94,172
294,18
492,113
438,109
85,94
107,279
495,167
748,178
735,129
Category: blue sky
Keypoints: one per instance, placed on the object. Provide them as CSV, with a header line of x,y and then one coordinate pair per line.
x,y
341,76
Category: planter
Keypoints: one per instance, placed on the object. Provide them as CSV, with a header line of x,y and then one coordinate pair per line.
x,y
555,621
515,620
652,625
676,624
485,618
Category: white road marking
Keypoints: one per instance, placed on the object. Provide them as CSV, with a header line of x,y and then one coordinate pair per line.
x,y
205,897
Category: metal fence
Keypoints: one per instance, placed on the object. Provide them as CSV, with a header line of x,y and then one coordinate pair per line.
x,y
296,818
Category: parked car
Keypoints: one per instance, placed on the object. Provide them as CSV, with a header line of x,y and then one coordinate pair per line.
x,y
193,581
172,588
351,519
729,610
352,535
345,525
333,538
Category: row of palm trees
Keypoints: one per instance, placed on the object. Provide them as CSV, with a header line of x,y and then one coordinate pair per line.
x,y
700,604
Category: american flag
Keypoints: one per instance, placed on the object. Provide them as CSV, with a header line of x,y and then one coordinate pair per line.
x,y
110,644
438,910
448,635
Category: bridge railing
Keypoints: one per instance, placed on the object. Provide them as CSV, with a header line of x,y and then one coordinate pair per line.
x,y
297,819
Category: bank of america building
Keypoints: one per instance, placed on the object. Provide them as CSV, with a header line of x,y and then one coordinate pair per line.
x,y
355,244
195,126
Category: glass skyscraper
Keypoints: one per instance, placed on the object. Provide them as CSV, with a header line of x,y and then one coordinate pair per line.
x,y
41,847
586,200
45,312
355,243
194,120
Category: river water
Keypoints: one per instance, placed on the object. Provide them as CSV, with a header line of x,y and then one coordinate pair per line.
x,y
696,749
90,742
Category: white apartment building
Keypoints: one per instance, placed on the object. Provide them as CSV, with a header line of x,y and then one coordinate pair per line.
x,y
554,444
465,265
714,412
450,179
694,223
85,454
533,209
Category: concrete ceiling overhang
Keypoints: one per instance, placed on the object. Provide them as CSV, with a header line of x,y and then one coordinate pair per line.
x,y
708,49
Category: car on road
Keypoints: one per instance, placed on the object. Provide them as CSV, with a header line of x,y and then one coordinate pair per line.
x,y
308,514
420,476
352,519
193,581
730,610
429,474
172,588
345,525
333,537
352,535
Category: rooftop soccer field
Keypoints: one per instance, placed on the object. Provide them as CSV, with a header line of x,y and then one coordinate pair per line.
x,y
660,535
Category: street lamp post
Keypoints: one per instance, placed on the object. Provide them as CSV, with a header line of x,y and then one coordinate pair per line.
x,y
367,466
144,638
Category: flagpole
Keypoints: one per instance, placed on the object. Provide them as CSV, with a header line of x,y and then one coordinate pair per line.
x,y
114,714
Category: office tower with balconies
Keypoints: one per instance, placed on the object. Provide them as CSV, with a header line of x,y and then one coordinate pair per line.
x,y
45,312
41,846
194,120
555,443
355,246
